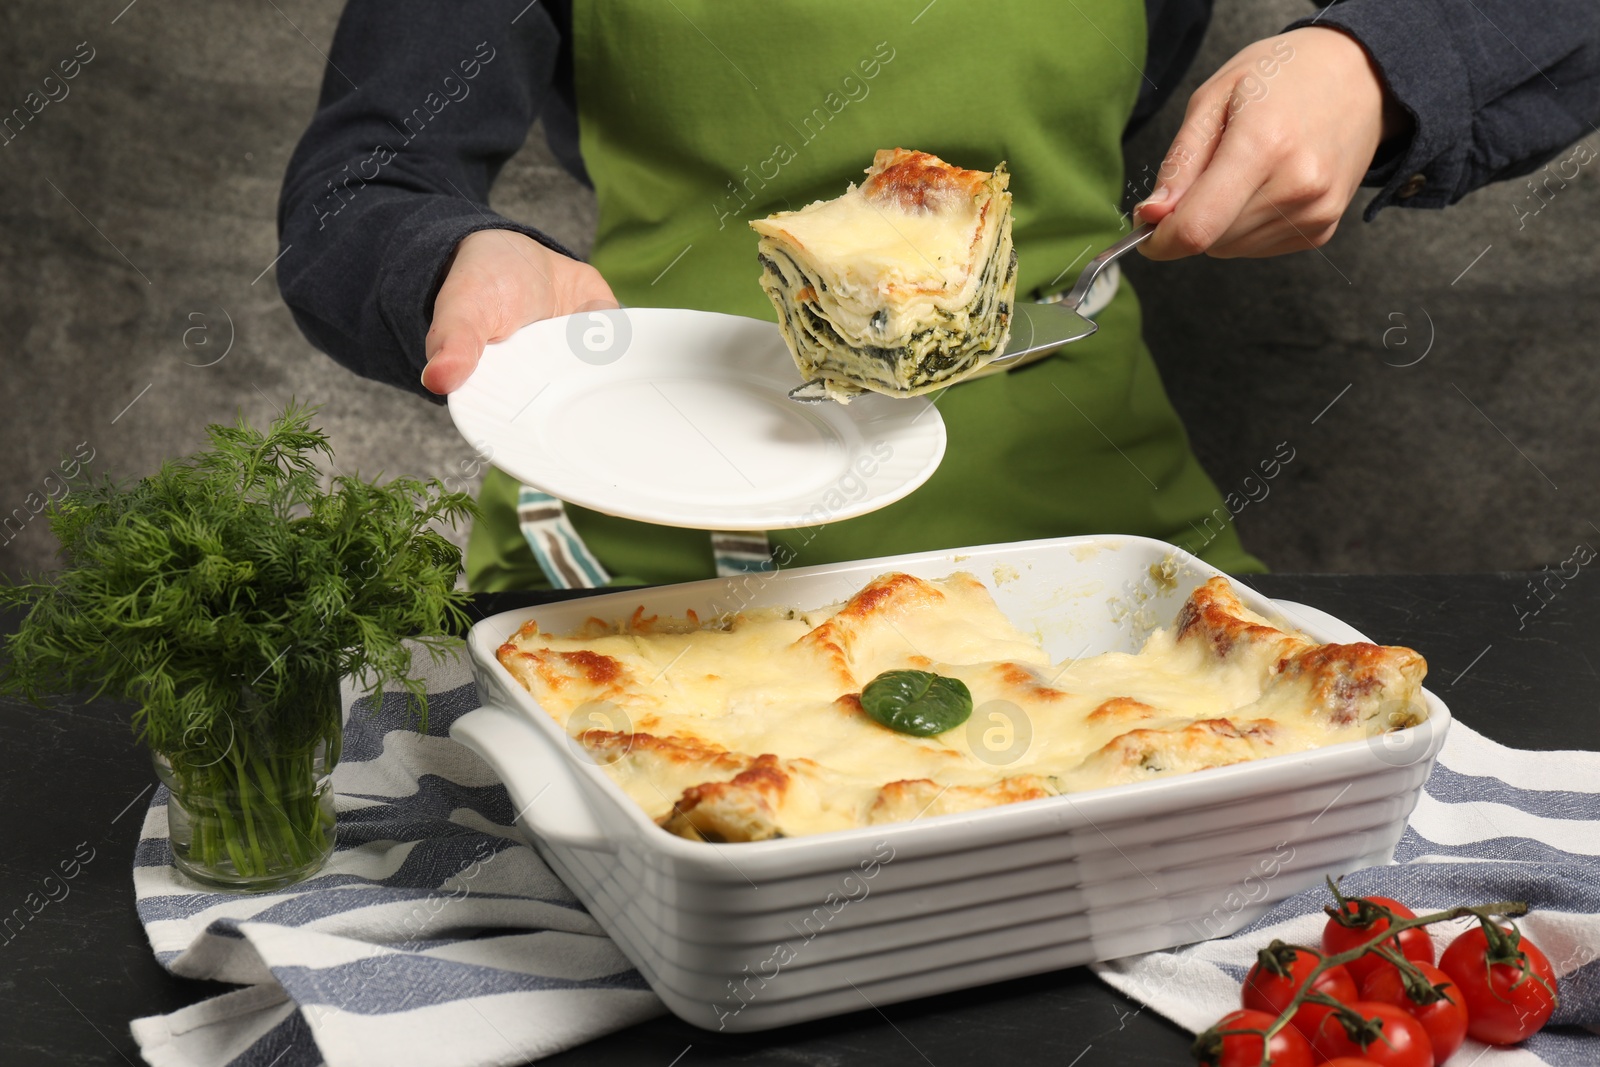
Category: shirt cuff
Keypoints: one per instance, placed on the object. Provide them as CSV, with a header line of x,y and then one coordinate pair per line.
x,y
1430,83
415,267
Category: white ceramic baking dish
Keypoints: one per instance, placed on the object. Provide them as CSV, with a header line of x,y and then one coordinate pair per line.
x,y
754,935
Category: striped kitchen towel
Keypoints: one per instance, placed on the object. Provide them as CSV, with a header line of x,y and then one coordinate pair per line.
x,y
1493,823
434,937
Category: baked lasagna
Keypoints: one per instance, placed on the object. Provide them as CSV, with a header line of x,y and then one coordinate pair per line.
x,y
901,285
753,727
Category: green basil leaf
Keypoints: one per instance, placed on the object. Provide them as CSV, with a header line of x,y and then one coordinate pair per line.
x,y
917,702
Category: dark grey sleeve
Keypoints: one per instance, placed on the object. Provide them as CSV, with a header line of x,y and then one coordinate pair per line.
x,y
422,104
1496,88
1176,29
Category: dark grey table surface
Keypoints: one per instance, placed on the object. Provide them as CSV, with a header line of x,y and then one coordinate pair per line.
x,y
72,977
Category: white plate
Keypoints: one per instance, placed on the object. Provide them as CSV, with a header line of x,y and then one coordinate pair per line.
x,y
680,418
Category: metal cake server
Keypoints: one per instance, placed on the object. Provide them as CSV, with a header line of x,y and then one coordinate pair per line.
x,y
1036,328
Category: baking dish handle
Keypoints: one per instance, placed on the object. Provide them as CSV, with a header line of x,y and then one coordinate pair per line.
x,y
544,794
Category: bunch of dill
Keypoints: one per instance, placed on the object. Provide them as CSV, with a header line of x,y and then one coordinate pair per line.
x,y
226,594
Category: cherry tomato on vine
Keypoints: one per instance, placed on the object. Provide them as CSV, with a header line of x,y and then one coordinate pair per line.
x,y
1397,1040
1365,924
1506,982
1349,1061
1288,1048
1278,974
1444,1017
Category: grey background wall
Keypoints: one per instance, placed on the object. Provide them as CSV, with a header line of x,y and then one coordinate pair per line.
x,y
136,218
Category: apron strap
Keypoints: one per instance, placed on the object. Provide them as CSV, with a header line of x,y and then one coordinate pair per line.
x,y
747,552
567,562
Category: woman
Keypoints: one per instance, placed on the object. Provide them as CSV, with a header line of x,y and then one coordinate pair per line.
x,y
690,118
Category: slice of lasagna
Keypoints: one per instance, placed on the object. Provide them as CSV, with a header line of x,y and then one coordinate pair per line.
x,y
901,285
753,728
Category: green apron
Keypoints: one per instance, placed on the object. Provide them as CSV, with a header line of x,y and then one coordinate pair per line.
x,y
698,115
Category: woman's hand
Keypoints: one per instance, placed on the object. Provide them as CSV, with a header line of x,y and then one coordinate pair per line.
x,y
1271,150
498,282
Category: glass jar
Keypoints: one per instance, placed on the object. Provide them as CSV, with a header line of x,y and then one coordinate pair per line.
x,y
252,793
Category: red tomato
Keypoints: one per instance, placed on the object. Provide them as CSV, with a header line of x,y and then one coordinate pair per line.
x,y
1268,991
1404,1043
1444,1019
1288,1048
1509,986
1414,944
1349,1061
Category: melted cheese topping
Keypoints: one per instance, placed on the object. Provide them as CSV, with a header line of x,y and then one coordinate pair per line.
x,y
755,729
876,251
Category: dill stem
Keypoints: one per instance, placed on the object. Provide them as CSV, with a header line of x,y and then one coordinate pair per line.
x,y
248,817
204,833
285,831
230,832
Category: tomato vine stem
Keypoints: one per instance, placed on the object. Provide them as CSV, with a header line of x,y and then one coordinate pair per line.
x,y
1484,913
